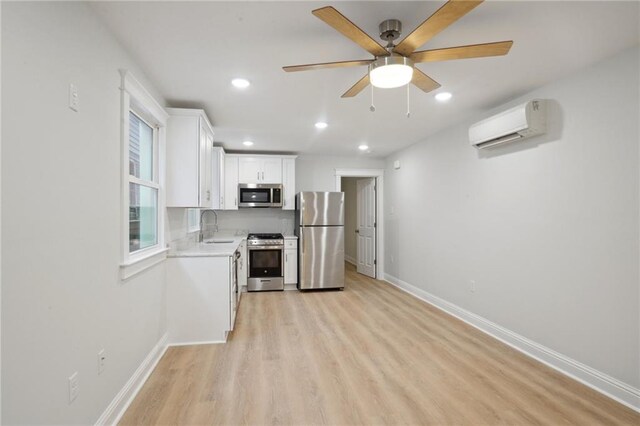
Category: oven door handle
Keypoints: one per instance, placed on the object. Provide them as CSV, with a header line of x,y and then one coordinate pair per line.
x,y
278,247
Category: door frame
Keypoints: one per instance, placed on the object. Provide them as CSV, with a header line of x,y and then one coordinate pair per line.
x,y
378,175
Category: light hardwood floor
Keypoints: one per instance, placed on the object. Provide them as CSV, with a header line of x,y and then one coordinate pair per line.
x,y
368,355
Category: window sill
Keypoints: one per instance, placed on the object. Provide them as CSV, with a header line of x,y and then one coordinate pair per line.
x,y
134,267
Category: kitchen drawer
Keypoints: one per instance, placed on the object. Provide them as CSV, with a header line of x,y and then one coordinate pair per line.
x,y
289,244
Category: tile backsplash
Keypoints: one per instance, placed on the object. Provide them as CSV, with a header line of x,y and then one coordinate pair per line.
x,y
248,220
255,220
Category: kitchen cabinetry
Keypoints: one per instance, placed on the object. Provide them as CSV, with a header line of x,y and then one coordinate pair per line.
x,y
289,183
242,268
231,182
201,304
218,178
290,261
189,143
246,168
260,169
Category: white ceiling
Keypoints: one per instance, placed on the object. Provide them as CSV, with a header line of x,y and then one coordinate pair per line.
x,y
192,50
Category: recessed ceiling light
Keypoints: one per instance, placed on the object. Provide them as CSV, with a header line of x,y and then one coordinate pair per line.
x,y
247,143
321,125
240,83
363,147
443,96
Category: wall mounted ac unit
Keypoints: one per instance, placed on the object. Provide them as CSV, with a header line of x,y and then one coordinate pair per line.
x,y
517,123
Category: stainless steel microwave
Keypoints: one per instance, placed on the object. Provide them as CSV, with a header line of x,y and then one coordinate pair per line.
x,y
259,195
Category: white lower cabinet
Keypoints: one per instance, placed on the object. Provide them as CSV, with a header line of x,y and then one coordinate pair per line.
x,y
200,307
242,268
290,261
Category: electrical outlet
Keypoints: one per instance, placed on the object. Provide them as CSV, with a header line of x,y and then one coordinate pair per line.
x,y
74,97
73,387
102,360
472,286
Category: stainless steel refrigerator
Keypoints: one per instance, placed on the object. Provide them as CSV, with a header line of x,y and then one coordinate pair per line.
x,y
320,230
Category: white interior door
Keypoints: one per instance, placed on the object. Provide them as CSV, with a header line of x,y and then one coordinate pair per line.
x,y
366,226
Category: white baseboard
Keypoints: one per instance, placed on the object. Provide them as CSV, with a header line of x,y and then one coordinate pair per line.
x,y
123,399
351,260
601,382
200,342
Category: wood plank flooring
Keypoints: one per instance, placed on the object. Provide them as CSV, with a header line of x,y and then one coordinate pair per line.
x,y
368,355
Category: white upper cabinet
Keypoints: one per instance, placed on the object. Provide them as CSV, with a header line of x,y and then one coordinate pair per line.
x,y
247,168
259,169
231,182
189,144
289,183
218,163
272,170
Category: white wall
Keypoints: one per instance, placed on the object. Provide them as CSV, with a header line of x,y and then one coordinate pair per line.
x,y
348,186
62,299
317,172
548,228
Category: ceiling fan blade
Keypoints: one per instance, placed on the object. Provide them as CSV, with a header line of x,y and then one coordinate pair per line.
x,y
423,81
350,30
441,19
357,88
341,64
463,52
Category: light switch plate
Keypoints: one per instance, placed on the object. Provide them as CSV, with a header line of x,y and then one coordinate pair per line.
x,y
74,97
73,387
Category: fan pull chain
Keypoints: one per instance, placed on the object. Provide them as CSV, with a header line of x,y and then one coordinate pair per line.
x,y
408,104
372,108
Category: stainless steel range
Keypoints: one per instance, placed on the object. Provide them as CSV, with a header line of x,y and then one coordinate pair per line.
x,y
265,262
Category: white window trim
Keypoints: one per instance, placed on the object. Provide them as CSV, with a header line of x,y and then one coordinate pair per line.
x,y
135,96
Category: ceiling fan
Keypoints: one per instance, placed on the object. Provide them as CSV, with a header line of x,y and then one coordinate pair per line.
x,y
394,65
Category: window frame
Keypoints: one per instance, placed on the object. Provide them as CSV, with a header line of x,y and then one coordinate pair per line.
x,y
135,98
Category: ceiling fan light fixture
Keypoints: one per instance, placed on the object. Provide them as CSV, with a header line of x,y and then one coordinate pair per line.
x,y
388,72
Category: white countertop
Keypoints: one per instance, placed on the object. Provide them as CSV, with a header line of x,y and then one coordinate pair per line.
x,y
190,248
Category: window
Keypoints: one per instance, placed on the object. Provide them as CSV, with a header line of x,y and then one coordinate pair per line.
x,y
193,220
143,185
143,130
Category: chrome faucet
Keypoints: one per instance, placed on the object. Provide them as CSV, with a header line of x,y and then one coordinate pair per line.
x,y
215,225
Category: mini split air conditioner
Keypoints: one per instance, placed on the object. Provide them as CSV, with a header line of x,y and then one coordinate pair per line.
x,y
518,123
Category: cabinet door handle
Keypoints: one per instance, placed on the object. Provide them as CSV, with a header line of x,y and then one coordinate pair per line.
x,y
258,176
262,175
